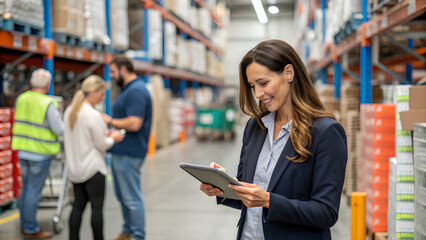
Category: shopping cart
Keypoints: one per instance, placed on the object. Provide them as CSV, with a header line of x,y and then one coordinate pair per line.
x,y
55,193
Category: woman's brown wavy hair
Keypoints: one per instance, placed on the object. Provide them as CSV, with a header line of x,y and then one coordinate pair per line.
x,y
275,55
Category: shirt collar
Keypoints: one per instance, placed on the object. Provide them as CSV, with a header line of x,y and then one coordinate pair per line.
x,y
130,83
269,121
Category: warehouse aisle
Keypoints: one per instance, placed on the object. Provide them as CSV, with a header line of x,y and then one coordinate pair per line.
x,y
175,208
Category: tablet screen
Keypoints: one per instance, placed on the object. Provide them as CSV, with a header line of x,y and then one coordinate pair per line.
x,y
213,176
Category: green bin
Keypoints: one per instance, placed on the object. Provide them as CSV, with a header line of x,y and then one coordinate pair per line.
x,y
216,122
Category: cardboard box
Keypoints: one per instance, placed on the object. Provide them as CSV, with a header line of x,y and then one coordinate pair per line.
x,y
409,118
417,97
68,16
68,20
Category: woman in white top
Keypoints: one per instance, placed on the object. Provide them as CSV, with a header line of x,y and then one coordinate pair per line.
x,y
86,142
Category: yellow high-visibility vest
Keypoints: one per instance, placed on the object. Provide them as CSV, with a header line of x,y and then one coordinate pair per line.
x,y
30,129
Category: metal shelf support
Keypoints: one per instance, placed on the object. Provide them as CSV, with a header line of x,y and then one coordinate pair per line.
x,y
48,58
377,63
366,66
167,83
324,8
409,67
337,79
146,32
405,48
352,74
390,72
183,85
323,75
106,66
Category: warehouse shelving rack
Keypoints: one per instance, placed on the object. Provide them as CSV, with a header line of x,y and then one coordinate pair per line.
x,y
379,25
388,35
42,51
185,76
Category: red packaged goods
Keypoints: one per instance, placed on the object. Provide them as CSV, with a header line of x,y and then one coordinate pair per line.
x,y
6,198
5,157
5,114
5,129
6,171
6,184
5,143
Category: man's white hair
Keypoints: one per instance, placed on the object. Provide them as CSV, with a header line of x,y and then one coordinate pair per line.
x,y
40,78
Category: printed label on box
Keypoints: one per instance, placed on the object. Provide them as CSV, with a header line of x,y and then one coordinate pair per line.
x,y
403,207
404,157
405,188
404,226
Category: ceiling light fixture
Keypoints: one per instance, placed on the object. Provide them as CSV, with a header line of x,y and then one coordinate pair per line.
x,y
260,12
273,10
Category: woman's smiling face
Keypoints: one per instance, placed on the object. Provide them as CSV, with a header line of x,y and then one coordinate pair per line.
x,y
272,88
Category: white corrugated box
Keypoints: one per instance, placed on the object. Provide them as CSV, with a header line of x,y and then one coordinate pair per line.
x,y
194,18
183,53
95,16
170,42
155,33
26,11
119,24
182,9
349,7
205,22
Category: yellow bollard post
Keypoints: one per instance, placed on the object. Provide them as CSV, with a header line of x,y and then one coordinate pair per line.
x,y
358,208
151,145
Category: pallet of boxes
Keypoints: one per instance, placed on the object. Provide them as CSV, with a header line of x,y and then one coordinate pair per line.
x,y
413,226
10,172
378,145
349,117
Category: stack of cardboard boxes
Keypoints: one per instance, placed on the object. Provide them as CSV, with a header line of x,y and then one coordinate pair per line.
x,y
349,114
160,126
326,95
420,179
23,11
68,17
6,164
414,119
378,140
119,24
401,174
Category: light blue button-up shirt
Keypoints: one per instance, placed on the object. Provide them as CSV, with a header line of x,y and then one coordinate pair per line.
x,y
268,158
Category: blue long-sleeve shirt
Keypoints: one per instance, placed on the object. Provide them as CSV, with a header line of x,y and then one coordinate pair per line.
x,y
268,158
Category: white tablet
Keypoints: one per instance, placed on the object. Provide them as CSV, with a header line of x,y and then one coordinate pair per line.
x,y
213,176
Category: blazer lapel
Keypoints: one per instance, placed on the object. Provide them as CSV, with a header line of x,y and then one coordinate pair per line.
x,y
253,156
282,164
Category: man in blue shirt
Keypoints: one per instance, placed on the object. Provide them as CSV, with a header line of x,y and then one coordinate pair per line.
x,y
132,111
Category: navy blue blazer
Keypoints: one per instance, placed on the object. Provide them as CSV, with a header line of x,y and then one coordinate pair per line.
x,y
304,197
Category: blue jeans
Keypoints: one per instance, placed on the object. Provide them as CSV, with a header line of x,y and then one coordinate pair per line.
x,y
33,177
127,184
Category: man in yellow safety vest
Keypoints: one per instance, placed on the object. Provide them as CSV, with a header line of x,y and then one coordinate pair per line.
x,y
36,129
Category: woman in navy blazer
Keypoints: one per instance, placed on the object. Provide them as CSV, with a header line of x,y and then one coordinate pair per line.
x,y
294,154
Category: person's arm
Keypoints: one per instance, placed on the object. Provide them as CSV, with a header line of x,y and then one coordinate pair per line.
x,y
98,132
136,108
54,121
231,202
130,124
321,211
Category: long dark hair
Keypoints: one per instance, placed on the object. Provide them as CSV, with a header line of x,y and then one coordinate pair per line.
x,y
275,55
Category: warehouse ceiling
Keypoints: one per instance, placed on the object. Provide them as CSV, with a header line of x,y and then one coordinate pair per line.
x,y
244,8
